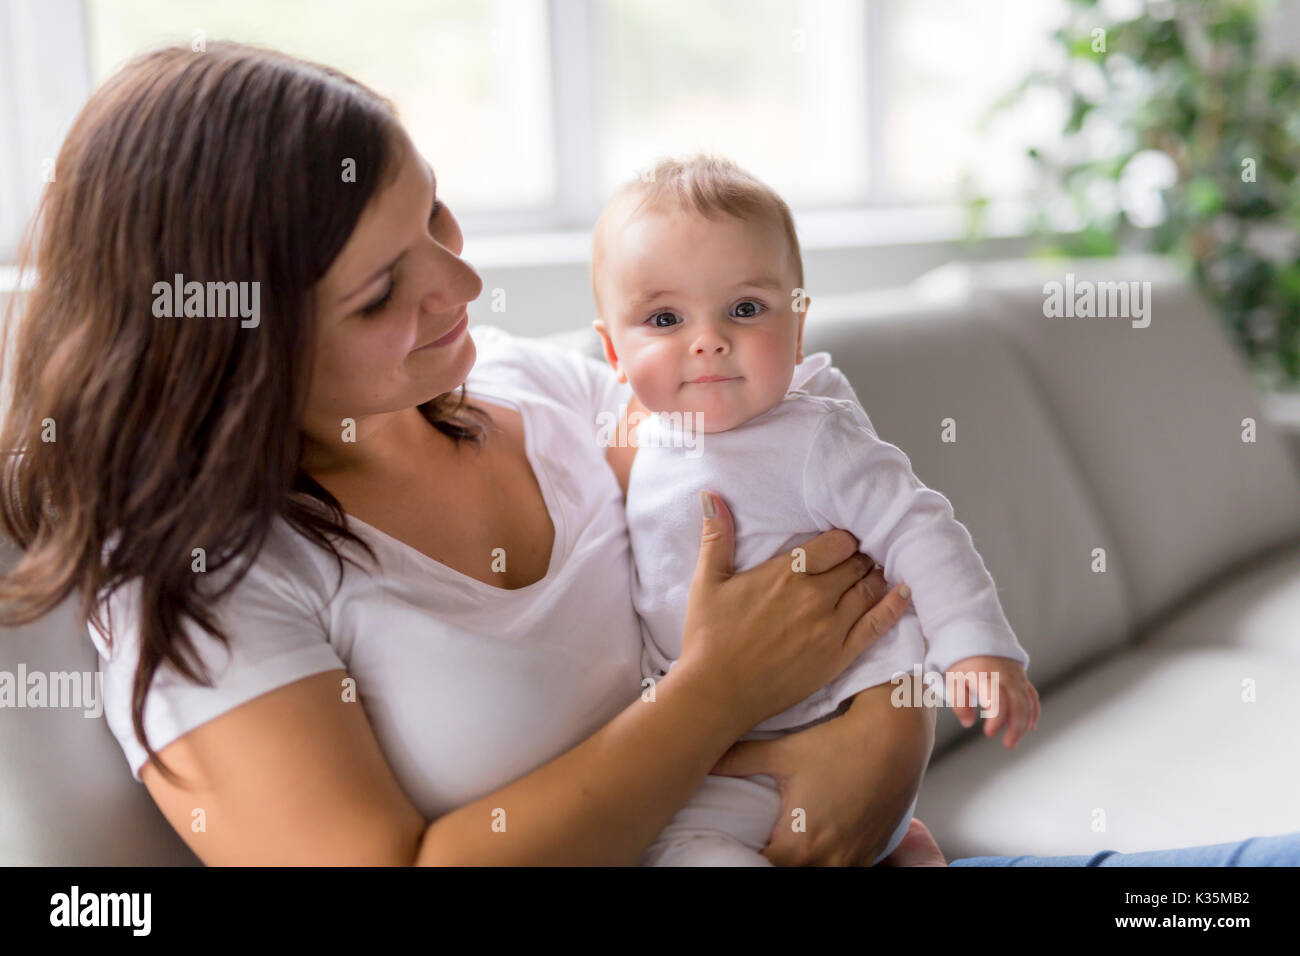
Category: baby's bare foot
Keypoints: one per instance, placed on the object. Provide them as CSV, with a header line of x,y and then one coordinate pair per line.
x,y
917,849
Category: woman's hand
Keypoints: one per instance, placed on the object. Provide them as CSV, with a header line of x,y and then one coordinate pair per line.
x,y
849,780
765,639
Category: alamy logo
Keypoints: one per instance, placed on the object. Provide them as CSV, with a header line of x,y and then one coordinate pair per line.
x,y
664,430
1103,300
75,908
57,689
209,300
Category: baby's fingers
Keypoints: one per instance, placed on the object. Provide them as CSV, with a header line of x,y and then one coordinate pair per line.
x,y
1000,702
965,715
1018,718
965,697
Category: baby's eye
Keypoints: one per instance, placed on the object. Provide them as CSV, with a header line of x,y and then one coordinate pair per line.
x,y
747,309
654,320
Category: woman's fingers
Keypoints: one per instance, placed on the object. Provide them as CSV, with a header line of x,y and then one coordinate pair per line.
x,y
874,582
844,580
828,549
717,540
870,626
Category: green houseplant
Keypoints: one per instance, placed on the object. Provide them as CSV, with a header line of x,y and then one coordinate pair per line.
x,y
1184,83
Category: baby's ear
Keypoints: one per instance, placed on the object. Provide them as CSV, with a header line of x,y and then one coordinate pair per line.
x,y
798,349
610,355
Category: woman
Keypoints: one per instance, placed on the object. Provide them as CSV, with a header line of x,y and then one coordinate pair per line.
x,y
257,443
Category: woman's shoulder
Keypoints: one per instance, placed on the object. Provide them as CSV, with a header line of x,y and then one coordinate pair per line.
x,y
273,618
288,577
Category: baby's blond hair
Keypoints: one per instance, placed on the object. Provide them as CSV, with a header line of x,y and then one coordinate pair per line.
x,y
706,184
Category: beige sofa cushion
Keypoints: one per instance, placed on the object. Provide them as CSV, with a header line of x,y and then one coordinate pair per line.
x,y
1255,606
1158,739
1152,418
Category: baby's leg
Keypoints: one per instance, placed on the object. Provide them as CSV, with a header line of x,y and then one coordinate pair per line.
x,y
725,822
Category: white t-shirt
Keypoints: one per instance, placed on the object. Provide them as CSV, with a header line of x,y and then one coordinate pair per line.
x,y
467,686
809,464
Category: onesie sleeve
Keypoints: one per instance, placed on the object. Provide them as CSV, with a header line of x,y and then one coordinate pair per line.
x,y
856,481
276,633
817,376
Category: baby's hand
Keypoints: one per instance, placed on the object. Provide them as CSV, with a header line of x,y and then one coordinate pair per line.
x,y
1014,704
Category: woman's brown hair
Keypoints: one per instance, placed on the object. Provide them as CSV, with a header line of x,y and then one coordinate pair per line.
x,y
177,433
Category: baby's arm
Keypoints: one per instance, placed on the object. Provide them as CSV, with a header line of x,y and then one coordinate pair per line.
x,y
856,481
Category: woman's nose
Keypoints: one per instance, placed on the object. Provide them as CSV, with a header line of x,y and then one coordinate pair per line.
x,y
453,283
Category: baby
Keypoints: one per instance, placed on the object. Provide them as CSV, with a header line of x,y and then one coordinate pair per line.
x,y
698,281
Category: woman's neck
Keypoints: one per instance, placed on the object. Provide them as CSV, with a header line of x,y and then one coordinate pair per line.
x,y
386,444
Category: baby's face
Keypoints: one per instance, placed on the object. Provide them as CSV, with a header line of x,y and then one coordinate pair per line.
x,y
683,298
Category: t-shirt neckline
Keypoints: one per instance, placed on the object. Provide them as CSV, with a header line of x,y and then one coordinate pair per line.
x,y
494,395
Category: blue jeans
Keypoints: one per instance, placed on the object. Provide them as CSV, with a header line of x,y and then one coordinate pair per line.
x,y
1281,850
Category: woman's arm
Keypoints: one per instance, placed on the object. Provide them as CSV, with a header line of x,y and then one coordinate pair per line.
x,y
296,776
854,777
866,796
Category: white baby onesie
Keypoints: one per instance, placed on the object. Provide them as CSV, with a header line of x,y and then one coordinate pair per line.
x,y
809,464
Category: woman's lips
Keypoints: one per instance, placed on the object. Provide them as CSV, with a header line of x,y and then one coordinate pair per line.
x,y
451,336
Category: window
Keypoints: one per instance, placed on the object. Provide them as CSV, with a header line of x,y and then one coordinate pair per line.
x,y
779,86
532,111
470,78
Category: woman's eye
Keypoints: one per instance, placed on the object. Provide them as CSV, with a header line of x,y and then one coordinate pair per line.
x,y
654,319
387,297
746,310
379,303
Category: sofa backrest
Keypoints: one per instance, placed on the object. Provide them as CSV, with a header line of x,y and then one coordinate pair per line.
x,y
1156,420
67,797
951,393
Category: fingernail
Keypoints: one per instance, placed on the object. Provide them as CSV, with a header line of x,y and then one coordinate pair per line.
x,y
706,503
904,591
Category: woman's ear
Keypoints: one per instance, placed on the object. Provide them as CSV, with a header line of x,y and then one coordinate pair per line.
x,y
610,355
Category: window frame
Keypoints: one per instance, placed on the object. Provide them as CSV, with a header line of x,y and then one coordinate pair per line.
x,y
41,89
35,39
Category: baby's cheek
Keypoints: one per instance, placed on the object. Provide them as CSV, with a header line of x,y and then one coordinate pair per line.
x,y
653,381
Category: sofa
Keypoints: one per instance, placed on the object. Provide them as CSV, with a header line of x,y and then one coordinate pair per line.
x,y
1135,497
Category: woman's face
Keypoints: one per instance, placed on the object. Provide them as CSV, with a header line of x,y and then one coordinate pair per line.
x,y
391,309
